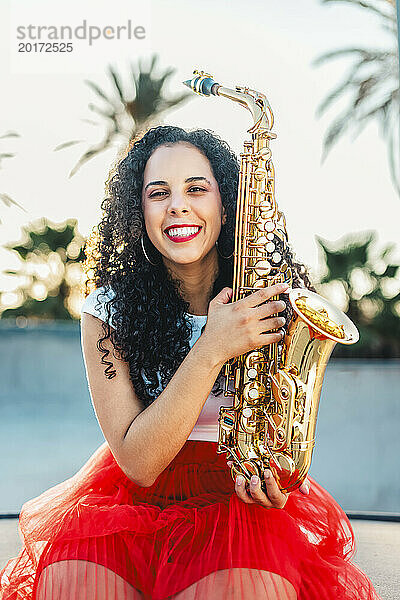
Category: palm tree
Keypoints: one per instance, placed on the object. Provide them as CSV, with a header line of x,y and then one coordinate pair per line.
x,y
127,114
372,84
50,271
368,279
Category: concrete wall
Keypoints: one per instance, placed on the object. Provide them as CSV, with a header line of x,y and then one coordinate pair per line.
x,y
48,427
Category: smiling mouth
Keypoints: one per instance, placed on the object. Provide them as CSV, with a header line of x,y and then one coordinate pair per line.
x,y
182,234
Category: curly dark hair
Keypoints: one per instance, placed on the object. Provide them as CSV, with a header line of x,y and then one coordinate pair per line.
x,y
151,332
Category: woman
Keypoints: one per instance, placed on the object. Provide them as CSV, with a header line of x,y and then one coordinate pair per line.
x,y
154,513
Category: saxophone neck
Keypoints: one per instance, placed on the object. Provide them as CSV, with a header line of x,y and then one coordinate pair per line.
x,y
256,103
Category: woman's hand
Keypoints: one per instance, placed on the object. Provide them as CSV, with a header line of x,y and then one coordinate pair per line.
x,y
254,495
234,328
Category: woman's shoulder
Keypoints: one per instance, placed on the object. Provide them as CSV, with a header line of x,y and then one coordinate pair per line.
x,y
95,301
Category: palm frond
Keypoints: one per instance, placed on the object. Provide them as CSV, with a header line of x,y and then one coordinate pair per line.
x,y
67,144
173,103
140,108
94,151
335,130
338,91
9,134
393,164
89,121
380,108
373,82
90,153
366,55
154,59
100,92
108,114
8,201
117,84
362,4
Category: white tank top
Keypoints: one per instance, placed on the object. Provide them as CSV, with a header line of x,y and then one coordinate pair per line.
x,y
206,427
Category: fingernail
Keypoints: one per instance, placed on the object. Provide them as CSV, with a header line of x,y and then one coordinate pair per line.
x,y
240,480
254,480
267,473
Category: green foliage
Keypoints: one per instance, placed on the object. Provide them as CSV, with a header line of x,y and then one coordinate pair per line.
x,y
370,282
126,114
50,262
371,86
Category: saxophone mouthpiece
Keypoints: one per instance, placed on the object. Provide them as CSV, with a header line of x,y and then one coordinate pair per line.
x,y
202,83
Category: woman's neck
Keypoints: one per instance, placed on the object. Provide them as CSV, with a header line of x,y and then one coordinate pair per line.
x,y
197,281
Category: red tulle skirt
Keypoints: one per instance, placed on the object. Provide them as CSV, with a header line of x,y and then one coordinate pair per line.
x,y
100,536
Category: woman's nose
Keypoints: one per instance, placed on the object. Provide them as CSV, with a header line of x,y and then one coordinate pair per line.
x,y
178,202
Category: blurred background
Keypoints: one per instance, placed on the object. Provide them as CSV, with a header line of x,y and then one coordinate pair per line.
x,y
331,73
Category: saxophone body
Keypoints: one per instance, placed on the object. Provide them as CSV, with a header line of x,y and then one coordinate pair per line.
x,y
276,388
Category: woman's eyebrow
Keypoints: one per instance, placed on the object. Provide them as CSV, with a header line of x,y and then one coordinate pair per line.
x,y
155,183
197,179
160,182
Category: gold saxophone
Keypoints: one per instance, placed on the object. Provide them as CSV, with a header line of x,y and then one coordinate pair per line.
x,y
271,423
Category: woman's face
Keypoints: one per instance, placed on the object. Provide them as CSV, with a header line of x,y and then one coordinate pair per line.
x,y
179,188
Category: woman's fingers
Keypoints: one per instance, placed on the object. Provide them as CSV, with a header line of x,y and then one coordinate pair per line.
x,y
255,495
271,323
240,489
263,294
270,308
274,499
278,499
305,487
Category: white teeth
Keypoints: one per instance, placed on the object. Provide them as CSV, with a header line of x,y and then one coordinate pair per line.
x,y
183,231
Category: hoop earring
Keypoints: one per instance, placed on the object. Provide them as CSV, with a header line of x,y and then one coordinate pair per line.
x,y
221,255
145,253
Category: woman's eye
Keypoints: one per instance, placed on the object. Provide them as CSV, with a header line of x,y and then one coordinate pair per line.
x,y
194,188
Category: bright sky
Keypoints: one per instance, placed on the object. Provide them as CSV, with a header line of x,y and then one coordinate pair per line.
x,y
265,44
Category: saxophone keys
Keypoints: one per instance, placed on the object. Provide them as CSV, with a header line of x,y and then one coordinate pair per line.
x,y
270,247
258,284
254,358
253,391
267,213
248,422
261,241
269,226
280,435
276,257
252,373
260,174
264,153
282,465
262,268
249,467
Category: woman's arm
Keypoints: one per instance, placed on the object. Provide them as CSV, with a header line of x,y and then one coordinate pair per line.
x,y
145,440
